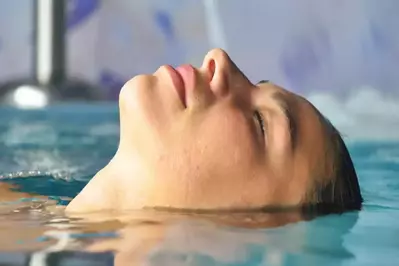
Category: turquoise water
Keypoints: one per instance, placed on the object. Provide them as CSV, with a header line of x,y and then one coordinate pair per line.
x,y
55,152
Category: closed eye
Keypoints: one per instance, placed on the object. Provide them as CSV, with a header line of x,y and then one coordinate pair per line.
x,y
261,121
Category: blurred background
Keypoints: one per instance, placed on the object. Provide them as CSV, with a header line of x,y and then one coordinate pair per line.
x,y
342,55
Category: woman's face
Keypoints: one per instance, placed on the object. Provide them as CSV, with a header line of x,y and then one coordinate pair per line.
x,y
207,138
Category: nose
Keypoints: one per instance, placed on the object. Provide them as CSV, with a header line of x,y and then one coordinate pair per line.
x,y
224,75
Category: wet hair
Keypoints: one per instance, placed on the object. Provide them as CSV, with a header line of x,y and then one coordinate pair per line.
x,y
342,191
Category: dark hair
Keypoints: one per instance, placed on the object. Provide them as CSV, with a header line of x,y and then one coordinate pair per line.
x,y
341,192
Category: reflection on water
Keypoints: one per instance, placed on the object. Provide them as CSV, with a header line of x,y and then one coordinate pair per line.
x,y
37,226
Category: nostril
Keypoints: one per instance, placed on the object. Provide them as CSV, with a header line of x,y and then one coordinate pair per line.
x,y
211,69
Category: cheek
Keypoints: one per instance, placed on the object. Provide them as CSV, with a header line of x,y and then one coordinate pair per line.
x,y
213,147
214,164
228,138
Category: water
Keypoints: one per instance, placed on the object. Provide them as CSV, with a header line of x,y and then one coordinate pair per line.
x,y
53,153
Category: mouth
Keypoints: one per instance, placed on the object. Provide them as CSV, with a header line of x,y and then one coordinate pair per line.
x,y
182,78
178,84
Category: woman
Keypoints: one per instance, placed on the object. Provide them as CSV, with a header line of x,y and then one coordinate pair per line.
x,y
208,139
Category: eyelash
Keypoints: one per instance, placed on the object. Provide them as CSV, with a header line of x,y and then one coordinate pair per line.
x,y
261,121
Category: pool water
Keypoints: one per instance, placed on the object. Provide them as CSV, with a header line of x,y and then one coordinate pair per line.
x,y
53,153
